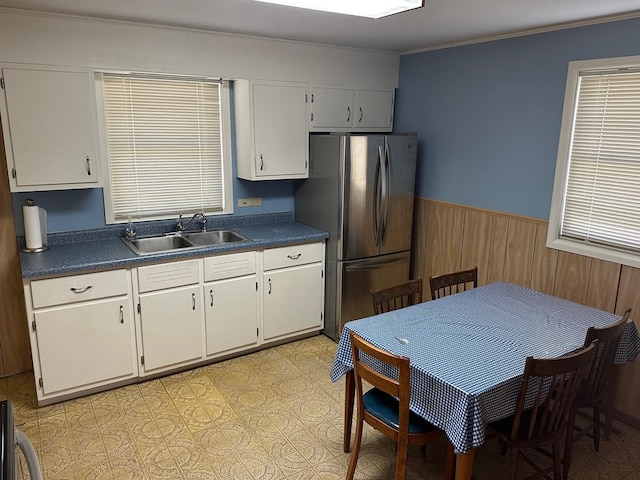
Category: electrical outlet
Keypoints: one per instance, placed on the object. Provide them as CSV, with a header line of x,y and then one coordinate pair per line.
x,y
249,202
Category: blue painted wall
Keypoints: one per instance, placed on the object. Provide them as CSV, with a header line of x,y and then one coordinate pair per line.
x,y
488,115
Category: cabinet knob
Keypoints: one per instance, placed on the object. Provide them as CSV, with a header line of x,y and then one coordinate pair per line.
x,y
88,166
211,295
269,286
193,301
348,114
360,119
121,314
261,162
294,257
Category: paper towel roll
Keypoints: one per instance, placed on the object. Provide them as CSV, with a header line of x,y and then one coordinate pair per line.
x,y
35,227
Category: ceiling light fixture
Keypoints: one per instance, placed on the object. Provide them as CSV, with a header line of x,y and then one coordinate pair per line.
x,y
360,8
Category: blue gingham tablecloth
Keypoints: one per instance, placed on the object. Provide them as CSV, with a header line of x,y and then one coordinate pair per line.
x,y
468,350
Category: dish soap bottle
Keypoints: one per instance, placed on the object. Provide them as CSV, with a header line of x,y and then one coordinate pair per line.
x,y
130,231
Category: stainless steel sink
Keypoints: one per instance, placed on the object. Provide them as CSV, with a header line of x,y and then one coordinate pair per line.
x,y
214,237
180,241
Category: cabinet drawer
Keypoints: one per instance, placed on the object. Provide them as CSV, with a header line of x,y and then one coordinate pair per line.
x,y
229,266
78,288
292,255
168,275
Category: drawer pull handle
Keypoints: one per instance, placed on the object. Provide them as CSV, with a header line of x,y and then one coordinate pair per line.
x,y
193,301
294,257
269,286
211,295
121,314
81,289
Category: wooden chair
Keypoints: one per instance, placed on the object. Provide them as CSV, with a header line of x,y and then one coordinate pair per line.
x,y
386,406
450,283
398,296
546,396
593,391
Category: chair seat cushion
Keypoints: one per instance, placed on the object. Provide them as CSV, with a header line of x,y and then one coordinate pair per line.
x,y
385,407
503,427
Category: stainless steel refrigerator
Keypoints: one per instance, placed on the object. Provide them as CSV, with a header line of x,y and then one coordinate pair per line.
x,y
360,189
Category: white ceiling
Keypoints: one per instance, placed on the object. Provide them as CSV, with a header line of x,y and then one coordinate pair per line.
x,y
438,23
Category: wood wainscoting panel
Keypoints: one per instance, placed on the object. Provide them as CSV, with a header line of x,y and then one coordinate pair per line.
x,y
545,261
628,391
497,248
521,243
476,239
455,233
602,290
572,277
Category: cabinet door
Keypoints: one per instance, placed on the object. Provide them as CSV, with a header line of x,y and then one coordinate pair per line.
x,y
374,109
331,108
85,344
49,128
231,314
280,133
292,300
171,323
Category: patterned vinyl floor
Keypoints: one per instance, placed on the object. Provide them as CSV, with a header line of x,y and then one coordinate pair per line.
x,y
273,414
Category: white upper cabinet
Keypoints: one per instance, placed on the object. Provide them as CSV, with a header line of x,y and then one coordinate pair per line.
x,y
343,109
331,108
373,110
48,123
271,131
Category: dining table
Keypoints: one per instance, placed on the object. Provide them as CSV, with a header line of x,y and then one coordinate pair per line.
x,y
467,354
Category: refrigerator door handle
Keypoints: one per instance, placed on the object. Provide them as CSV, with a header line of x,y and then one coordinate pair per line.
x,y
377,199
363,265
386,187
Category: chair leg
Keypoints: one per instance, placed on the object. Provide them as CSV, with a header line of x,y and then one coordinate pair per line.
x,y
513,463
355,451
596,428
557,463
401,459
568,444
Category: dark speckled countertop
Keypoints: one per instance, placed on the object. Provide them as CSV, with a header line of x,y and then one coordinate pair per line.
x,y
103,249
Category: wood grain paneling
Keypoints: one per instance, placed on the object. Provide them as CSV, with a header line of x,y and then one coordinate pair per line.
x,y
497,248
476,239
629,375
14,335
602,290
545,260
513,248
572,277
521,243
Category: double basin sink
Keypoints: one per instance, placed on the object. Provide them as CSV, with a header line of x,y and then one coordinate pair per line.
x,y
171,242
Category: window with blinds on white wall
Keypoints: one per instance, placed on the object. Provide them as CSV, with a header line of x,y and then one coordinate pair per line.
x,y
596,204
167,146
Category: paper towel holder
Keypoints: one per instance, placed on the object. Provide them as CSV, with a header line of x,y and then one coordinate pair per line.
x,y
42,248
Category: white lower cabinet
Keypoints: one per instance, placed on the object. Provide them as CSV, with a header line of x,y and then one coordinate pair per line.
x,y
82,333
93,331
170,313
293,290
231,303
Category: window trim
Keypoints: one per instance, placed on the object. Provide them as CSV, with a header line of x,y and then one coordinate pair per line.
x,y
562,163
105,175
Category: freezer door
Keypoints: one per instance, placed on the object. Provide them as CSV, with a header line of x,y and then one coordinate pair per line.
x,y
357,278
361,222
398,176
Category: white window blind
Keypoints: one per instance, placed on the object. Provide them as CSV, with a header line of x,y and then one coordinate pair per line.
x,y
164,143
602,192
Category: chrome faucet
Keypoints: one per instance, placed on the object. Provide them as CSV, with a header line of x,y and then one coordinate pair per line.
x,y
203,219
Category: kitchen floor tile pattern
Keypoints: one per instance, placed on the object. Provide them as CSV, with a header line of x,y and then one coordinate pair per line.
x,y
273,414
